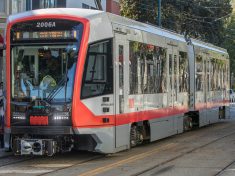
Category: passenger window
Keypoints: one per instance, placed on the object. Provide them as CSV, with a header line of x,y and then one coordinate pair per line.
x,y
98,71
147,69
199,73
183,72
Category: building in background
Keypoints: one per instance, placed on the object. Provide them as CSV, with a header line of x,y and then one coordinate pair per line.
x,y
4,13
17,6
8,7
108,5
113,6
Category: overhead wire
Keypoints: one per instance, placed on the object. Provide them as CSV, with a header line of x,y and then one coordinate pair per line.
x,y
145,6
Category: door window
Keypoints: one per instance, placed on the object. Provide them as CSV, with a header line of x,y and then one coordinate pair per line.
x,y
121,78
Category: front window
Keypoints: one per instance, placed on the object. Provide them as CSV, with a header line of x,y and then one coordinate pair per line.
x,y
43,72
43,62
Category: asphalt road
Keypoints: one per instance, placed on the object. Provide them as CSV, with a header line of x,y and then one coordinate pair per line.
x,y
207,151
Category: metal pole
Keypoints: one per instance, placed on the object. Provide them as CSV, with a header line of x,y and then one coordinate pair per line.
x,y
159,13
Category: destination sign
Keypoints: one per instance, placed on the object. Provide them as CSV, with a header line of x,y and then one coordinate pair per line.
x,y
45,35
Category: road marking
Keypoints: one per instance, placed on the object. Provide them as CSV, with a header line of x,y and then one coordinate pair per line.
x,y
51,165
23,171
230,170
128,160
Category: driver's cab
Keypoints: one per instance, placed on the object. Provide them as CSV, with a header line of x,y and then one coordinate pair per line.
x,y
38,70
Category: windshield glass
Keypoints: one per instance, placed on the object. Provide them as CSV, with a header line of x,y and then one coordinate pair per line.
x,y
44,72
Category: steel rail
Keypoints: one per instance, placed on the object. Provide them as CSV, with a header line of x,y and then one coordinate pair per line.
x,y
184,154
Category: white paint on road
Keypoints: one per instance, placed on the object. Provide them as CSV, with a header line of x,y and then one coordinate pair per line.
x,y
23,171
52,165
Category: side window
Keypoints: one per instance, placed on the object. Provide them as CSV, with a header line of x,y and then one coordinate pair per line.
x,y
208,75
147,69
98,71
183,72
199,73
214,74
170,70
176,73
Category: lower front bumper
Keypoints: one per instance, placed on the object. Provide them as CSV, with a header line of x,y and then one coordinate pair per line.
x,y
35,147
42,130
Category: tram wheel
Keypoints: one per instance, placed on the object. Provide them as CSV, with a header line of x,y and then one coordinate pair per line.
x,y
188,123
136,136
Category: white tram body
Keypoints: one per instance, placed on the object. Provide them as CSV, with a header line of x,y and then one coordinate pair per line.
x,y
162,84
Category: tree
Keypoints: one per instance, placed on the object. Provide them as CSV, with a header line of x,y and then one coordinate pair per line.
x,y
140,10
206,20
202,19
229,44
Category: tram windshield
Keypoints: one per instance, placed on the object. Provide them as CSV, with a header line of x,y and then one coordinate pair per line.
x,y
44,54
43,72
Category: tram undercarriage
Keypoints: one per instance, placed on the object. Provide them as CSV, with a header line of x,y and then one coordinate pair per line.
x,y
42,145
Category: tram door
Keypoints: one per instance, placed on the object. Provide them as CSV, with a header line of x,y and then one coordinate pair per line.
x,y
173,58
121,59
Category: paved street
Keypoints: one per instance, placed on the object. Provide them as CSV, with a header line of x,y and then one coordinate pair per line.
x,y
207,151
4,154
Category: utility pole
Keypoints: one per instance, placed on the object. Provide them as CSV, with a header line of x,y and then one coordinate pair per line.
x,y
159,13
98,5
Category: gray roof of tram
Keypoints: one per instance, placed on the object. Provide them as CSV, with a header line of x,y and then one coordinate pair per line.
x,y
96,14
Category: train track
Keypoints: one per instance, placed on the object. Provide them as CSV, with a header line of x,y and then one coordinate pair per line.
x,y
186,153
78,163
5,156
10,159
225,168
128,160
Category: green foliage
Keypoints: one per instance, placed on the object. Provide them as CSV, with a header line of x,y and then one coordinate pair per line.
x,y
202,19
207,20
229,42
140,10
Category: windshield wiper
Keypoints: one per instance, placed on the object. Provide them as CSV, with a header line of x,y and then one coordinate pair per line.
x,y
59,86
64,80
66,83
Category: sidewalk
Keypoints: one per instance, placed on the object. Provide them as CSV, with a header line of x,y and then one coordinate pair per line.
x,y
3,153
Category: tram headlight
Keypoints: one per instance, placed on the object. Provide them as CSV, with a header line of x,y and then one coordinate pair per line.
x,y
61,116
18,116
